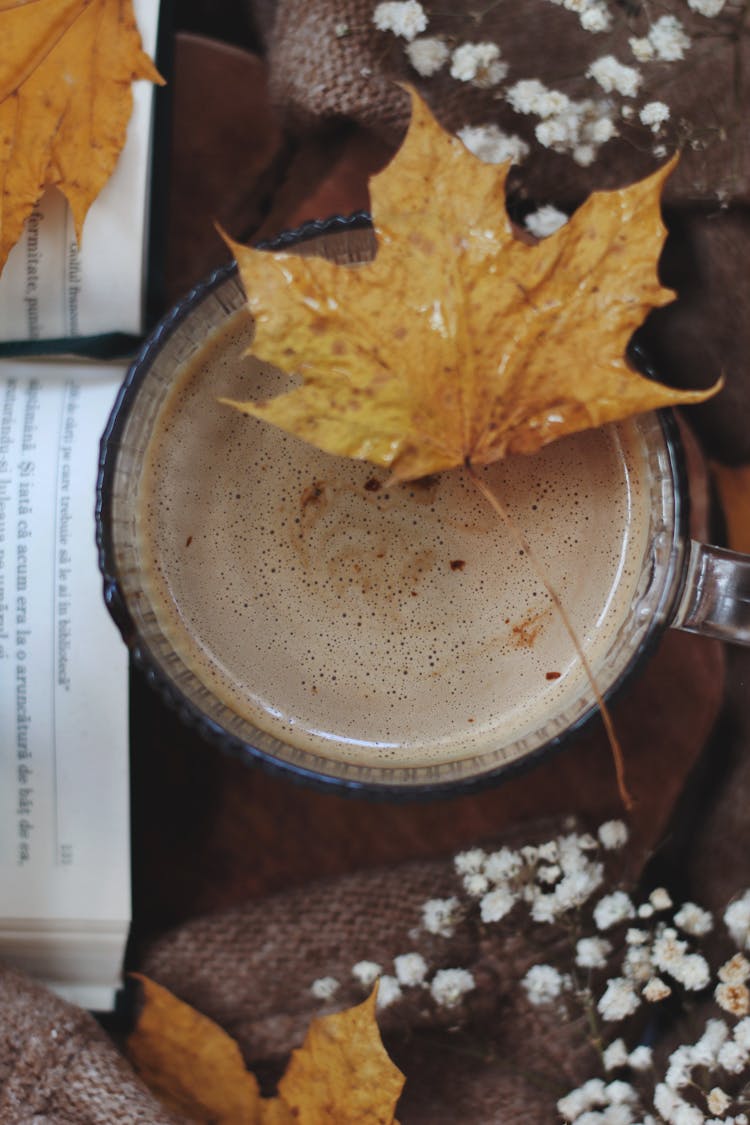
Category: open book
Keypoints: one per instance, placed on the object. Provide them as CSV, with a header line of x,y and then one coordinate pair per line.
x,y
64,757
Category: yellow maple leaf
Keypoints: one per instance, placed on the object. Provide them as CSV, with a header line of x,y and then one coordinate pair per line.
x,y
460,343
341,1074
190,1063
65,102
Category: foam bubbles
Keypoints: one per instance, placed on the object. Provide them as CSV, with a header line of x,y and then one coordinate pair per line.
x,y
370,622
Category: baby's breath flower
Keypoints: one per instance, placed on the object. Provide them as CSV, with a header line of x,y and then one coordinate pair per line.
x,y
736,970
522,95
548,872
645,910
341,30
637,964
660,899
615,1055
530,854
503,864
692,972
733,1058
439,916
587,843
737,920
656,990
654,114
612,909
496,904
693,920
734,998
366,972
680,1068
577,887
643,49
493,146
584,155
619,1092
668,950
640,1058
717,1101
403,17
612,75
411,969
449,986
475,884
543,984
742,1034
634,936
613,834
478,63
389,991
669,39
592,952
573,1105
544,907
708,8
595,17
427,55
549,852
324,988
542,223
706,1050
469,862
619,1000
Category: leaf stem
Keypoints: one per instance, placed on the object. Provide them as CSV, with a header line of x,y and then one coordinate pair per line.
x,y
499,508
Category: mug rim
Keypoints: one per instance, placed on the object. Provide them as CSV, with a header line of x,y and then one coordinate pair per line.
x,y
232,744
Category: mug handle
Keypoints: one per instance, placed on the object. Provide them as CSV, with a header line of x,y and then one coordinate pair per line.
x,y
715,598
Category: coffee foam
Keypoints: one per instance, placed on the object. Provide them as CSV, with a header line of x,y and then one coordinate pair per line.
x,y
370,623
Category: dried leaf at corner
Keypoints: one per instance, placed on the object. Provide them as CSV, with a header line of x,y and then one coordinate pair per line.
x,y
66,69
460,342
342,1073
191,1064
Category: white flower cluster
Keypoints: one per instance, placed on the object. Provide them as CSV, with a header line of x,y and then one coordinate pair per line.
x,y
575,127
492,145
737,920
708,8
410,970
406,18
614,76
718,1051
551,878
479,64
667,41
594,15
721,1054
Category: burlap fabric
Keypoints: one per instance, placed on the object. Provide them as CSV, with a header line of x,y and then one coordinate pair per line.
x,y
328,61
251,969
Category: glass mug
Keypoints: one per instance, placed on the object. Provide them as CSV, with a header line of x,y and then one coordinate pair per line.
x,y
676,582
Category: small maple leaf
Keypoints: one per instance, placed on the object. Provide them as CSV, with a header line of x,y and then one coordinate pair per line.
x,y
341,1073
460,343
65,102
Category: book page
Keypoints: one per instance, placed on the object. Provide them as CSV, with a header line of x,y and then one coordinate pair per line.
x,y
64,809
50,287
